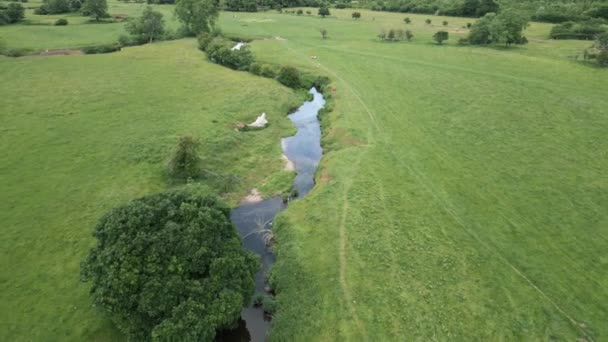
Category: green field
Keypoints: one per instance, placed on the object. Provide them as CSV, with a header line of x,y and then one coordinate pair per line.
x,y
463,194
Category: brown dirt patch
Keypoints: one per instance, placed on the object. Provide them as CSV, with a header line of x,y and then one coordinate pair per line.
x,y
58,52
324,178
254,197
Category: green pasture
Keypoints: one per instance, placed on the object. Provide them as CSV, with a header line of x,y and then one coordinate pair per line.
x,y
463,193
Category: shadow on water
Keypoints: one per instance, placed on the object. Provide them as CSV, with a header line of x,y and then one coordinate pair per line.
x,y
252,220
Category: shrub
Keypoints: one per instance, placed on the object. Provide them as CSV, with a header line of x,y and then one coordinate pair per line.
x,y
463,41
165,263
96,9
204,39
602,58
268,71
445,23
356,15
258,299
61,22
185,163
3,18
299,12
289,76
428,21
323,11
601,11
323,33
149,26
255,68
409,35
469,25
382,34
234,59
407,20
124,40
15,52
440,37
308,12
15,12
269,305
391,35
585,30
105,48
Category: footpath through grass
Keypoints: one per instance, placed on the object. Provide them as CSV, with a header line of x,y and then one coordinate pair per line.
x,y
82,134
465,193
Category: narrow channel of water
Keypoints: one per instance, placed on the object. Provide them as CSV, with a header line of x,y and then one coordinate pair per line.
x,y
304,150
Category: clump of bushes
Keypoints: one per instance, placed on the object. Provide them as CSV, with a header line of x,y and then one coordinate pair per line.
x,y
584,30
269,305
61,22
104,48
289,76
599,50
394,35
185,163
219,50
504,28
12,14
441,36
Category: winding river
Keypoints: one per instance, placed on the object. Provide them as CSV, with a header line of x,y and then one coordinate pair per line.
x,y
304,150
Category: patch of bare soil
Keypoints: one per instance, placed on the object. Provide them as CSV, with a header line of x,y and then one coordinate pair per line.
x,y
289,165
57,52
254,197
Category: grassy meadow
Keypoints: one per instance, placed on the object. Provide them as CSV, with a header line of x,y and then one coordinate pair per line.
x,y
82,134
462,195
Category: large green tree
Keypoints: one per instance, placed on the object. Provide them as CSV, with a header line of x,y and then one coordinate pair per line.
x,y
197,15
95,8
507,28
15,12
170,267
149,26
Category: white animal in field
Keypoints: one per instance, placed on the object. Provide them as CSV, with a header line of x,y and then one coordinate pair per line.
x,y
260,122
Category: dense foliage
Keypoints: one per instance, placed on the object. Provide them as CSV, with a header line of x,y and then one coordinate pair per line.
x,y
170,267
323,11
506,27
441,36
149,26
395,34
103,48
586,30
96,9
13,13
220,50
185,163
59,6
197,15
289,76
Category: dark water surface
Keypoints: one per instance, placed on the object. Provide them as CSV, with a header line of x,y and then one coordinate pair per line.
x,y
304,150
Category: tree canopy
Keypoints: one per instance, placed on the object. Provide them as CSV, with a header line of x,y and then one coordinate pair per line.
x,y
506,27
149,26
323,11
95,8
441,36
197,15
170,267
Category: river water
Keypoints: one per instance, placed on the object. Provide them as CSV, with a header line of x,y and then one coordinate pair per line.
x,y
304,150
